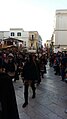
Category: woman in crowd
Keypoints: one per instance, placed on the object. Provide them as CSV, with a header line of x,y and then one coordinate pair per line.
x,y
8,105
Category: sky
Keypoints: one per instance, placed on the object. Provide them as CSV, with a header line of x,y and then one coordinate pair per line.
x,y
31,15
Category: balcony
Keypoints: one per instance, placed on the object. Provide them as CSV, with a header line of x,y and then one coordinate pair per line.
x,y
32,38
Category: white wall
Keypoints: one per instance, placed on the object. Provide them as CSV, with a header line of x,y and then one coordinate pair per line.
x,y
61,22
6,34
24,35
15,32
61,38
1,35
61,27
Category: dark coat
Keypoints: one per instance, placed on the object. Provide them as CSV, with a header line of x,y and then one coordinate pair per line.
x,y
7,98
10,67
30,71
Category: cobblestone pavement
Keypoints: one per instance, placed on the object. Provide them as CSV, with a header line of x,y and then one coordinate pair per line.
x,y
50,101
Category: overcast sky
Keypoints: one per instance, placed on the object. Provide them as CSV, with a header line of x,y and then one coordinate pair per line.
x,y
31,15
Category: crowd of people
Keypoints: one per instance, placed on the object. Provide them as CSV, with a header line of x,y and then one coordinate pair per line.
x,y
59,62
31,67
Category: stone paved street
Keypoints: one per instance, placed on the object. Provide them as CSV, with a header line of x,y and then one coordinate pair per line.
x,y
50,101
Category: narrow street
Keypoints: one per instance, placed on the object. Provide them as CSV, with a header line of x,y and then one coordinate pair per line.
x,y
50,101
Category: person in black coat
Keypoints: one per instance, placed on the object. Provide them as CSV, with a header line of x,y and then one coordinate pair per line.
x,y
8,105
30,74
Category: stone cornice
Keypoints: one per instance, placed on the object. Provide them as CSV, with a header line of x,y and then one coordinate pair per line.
x,y
60,29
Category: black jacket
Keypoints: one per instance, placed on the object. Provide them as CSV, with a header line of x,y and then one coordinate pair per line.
x,y
7,98
30,71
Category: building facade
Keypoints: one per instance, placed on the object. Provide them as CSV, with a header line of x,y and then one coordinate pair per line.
x,y
35,40
27,39
48,43
4,35
60,33
20,34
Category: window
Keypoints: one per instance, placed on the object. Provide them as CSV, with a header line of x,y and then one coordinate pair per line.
x,y
32,37
25,43
12,34
19,34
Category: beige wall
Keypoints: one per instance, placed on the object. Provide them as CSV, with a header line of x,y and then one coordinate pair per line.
x,y
33,41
